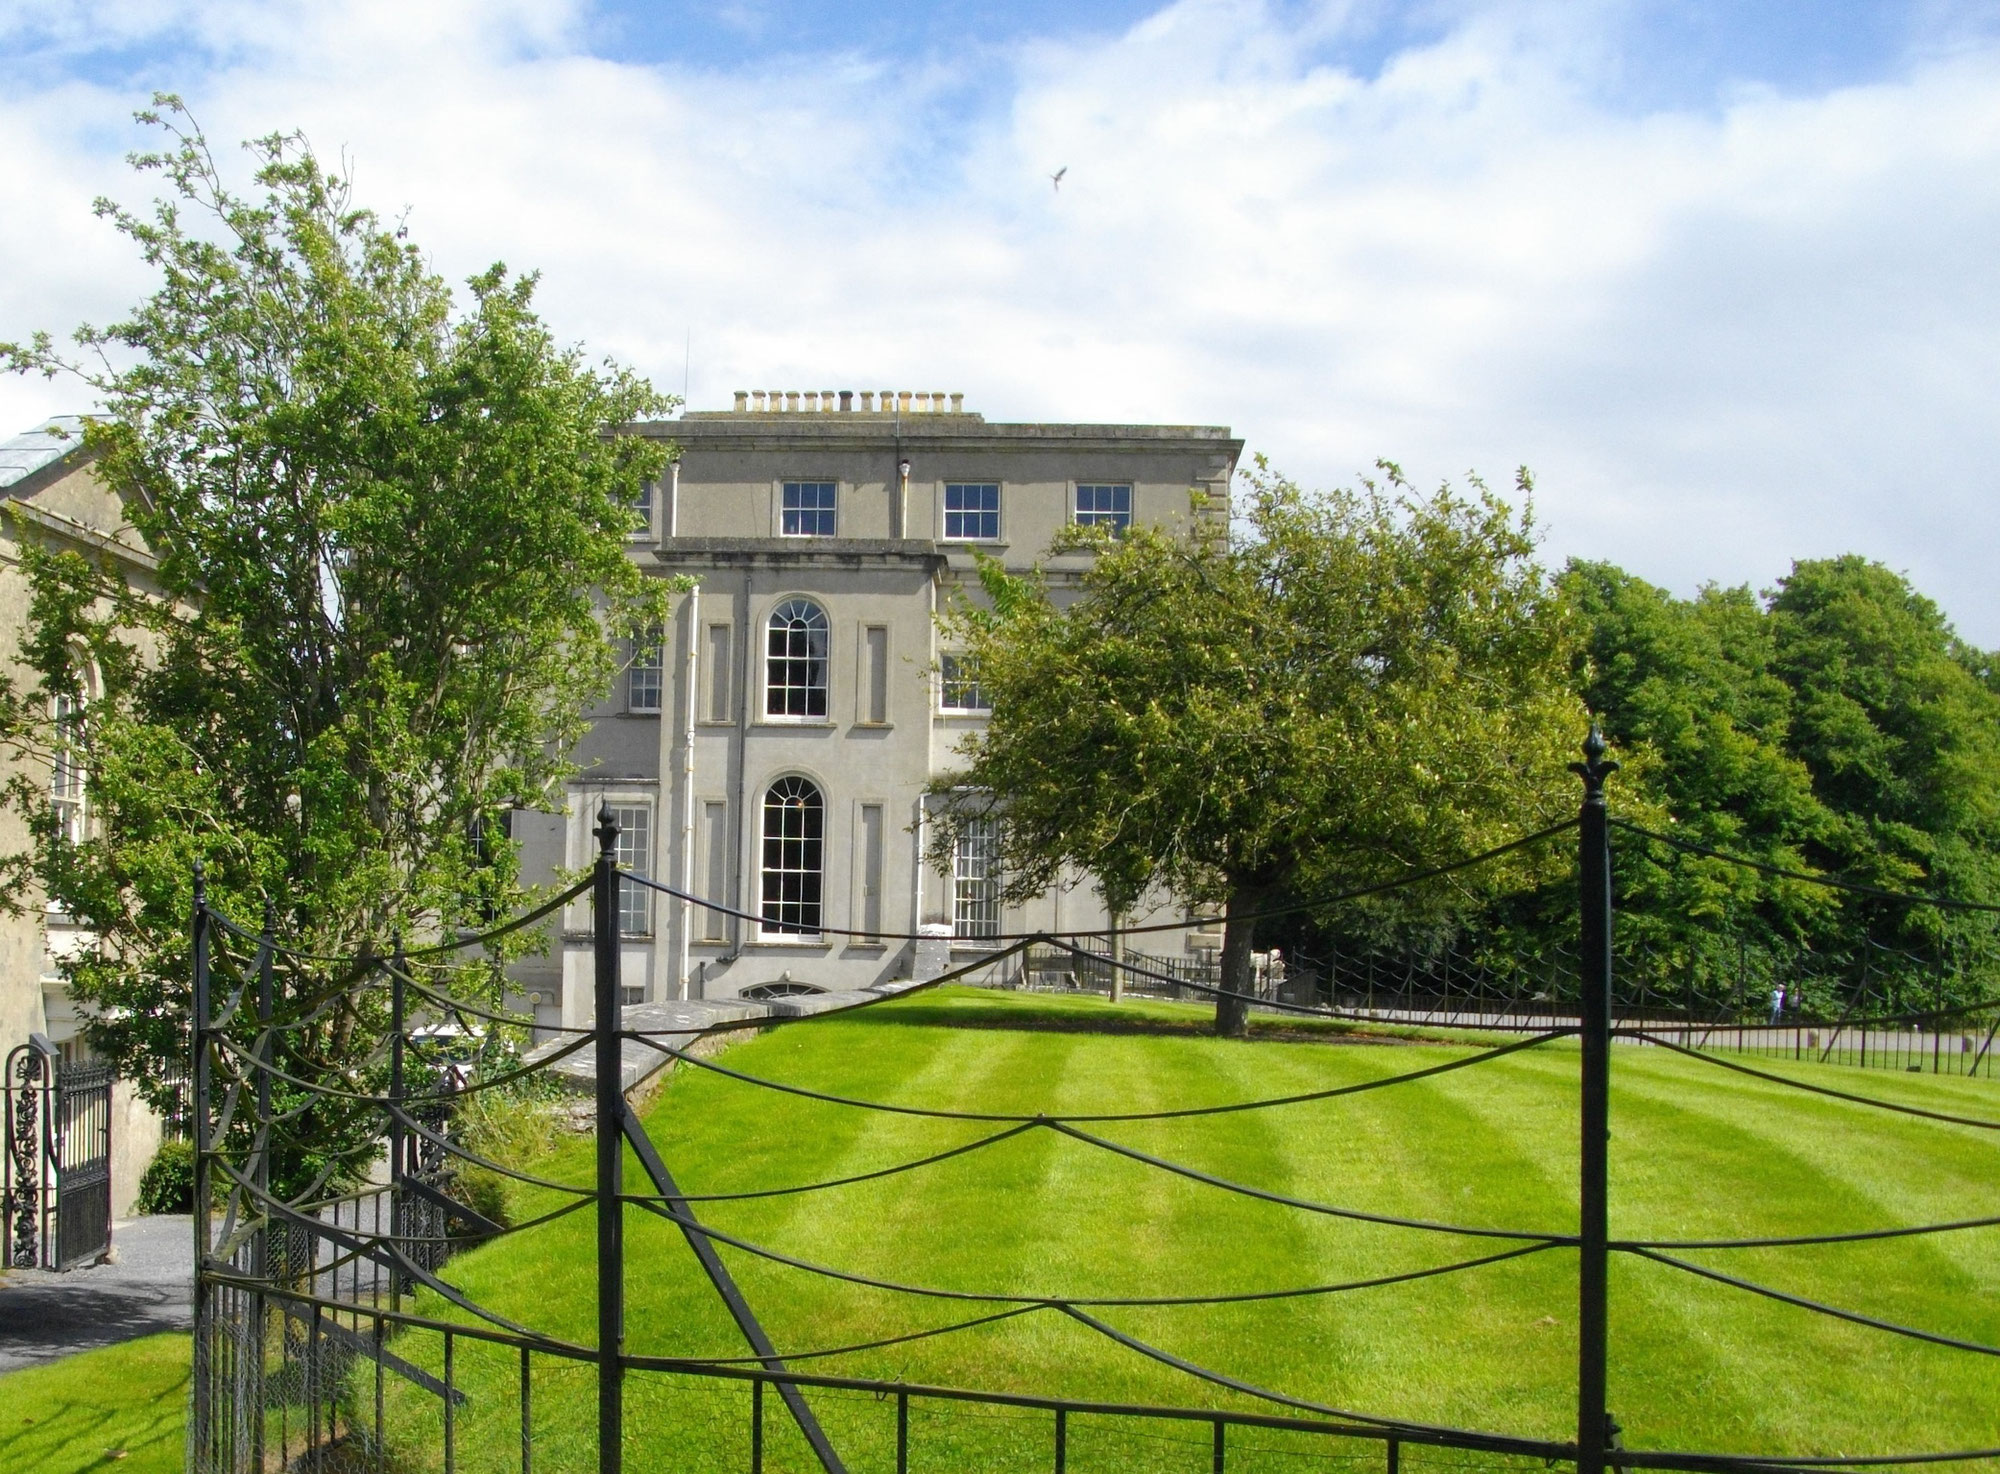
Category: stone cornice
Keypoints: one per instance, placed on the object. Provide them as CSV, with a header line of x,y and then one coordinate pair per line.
x,y
783,432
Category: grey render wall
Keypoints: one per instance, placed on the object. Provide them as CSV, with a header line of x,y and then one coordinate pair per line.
x,y
700,766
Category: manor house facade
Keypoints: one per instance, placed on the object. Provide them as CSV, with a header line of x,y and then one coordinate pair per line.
x,y
773,749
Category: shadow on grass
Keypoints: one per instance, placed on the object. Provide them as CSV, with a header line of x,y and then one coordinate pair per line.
x,y
102,1420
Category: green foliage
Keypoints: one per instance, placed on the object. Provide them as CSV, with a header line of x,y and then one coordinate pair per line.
x,y
1355,687
391,571
513,1126
1838,726
167,1185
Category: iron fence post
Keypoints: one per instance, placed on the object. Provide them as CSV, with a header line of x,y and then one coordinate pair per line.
x,y
260,1251
201,1423
1594,886
610,1154
398,1138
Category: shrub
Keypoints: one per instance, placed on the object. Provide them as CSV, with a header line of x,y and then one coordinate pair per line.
x,y
168,1183
514,1126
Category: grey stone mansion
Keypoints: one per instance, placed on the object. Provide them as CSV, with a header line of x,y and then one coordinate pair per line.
x,y
773,748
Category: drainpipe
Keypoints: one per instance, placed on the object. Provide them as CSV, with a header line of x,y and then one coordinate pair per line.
x,y
690,698
923,844
899,504
736,888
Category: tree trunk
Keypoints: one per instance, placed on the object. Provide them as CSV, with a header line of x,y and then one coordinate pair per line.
x,y
1232,1014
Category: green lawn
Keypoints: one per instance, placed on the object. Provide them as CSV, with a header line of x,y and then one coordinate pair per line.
x,y
122,1408
1696,1152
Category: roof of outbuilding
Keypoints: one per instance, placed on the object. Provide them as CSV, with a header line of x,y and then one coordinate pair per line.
x,y
50,440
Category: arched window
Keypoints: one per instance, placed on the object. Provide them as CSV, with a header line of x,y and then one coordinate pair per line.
x,y
795,661
66,767
68,777
794,831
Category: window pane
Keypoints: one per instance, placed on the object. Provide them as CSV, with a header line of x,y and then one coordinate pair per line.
x,y
972,511
66,770
1100,505
795,661
976,881
807,509
644,676
958,685
634,854
794,834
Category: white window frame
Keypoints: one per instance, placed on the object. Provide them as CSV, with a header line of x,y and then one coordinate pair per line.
x,y
807,902
792,662
997,512
643,504
634,853
1096,517
68,782
651,643
960,672
975,882
830,513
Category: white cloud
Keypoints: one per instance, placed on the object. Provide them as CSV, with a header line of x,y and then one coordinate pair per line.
x,y
1723,337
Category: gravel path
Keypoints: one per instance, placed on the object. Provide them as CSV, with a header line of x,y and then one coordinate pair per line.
x,y
45,1316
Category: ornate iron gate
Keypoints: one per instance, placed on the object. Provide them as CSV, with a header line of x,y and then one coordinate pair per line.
x,y
82,1149
57,1161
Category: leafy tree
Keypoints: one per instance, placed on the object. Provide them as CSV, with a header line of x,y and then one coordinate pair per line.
x,y
1344,689
391,553
1896,719
1687,692
1836,726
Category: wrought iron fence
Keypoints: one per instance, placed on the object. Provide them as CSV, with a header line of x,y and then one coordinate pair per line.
x,y
307,1347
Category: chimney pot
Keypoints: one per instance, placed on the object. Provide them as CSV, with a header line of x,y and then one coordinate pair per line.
x,y
742,400
846,401
958,404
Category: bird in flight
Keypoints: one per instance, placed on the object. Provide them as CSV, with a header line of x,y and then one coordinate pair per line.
x,y
1057,178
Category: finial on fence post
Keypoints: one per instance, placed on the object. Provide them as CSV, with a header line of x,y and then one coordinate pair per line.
x,y
606,831
200,886
1595,767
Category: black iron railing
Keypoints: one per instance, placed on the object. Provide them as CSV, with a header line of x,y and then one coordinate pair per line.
x,y
304,1324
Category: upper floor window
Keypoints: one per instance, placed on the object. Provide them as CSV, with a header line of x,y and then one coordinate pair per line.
x,y
808,509
644,678
972,511
958,685
642,507
66,768
1103,506
795,661
794,836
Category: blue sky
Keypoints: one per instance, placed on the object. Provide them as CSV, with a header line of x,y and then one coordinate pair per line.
x,y
1722,274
